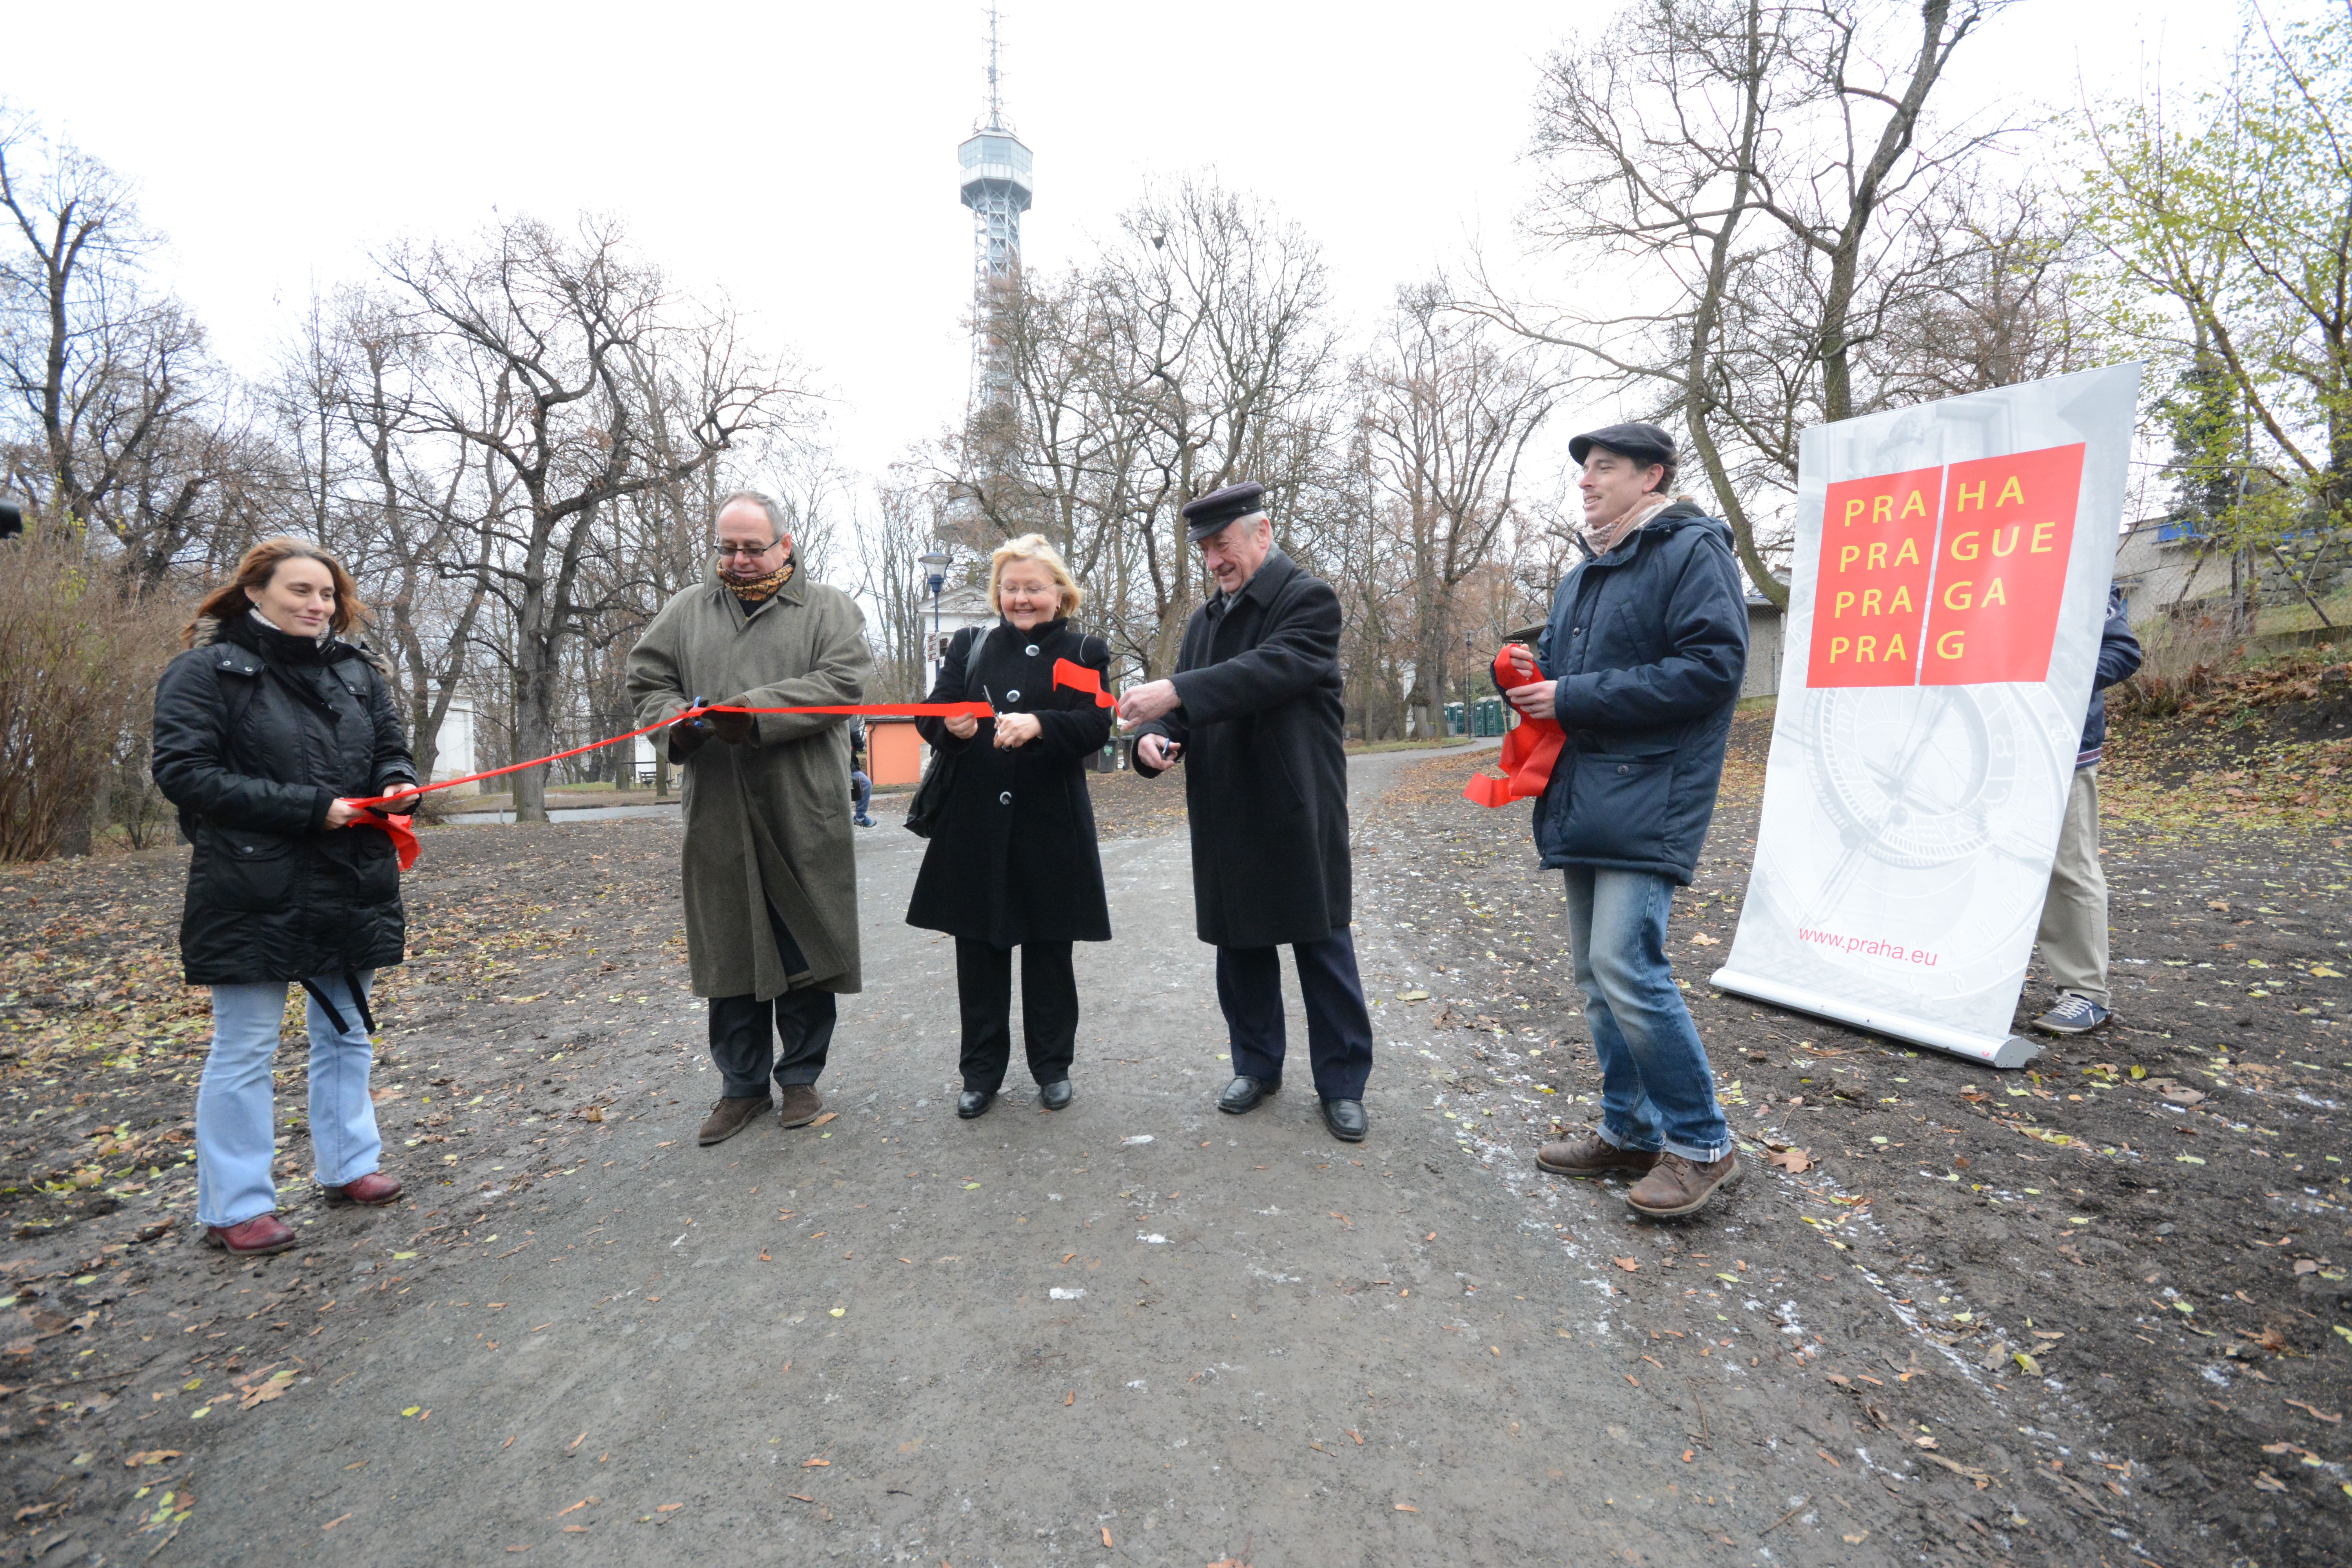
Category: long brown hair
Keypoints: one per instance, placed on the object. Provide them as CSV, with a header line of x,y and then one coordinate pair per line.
x,y
255,570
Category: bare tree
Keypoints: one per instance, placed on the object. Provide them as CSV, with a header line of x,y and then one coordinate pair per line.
x,y
1448,415
1761,165
570,320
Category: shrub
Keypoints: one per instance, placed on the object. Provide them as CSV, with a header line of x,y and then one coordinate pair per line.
x,y
2181,655
80,654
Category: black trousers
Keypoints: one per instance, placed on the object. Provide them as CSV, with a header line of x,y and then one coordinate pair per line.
x,y
1049,1011
741,1045
1338,1025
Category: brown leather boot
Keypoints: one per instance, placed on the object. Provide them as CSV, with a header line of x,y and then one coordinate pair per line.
x,y
1678,1186
797,1104
729,1117
375,1189
257,1238
1593,1155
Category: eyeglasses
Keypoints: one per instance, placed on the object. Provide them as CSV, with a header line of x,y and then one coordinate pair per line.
x,y
748,551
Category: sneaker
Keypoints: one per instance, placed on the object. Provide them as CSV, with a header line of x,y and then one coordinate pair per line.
x,y
2072,1015
1676,1186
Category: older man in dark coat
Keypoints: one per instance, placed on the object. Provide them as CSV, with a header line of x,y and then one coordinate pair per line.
x,y
1253,710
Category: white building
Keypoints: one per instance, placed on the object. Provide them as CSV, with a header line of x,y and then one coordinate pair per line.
x,y
454,756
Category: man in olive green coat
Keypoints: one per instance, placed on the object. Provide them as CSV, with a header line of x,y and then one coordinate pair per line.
x,y
770,873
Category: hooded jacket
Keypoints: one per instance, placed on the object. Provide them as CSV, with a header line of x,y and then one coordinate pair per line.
x,y
257,733
1646,647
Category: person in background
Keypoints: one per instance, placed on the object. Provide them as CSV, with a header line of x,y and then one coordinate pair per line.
x,y
266,729
861,785
1255,712
1641,665
770,868
1012,860
2072,940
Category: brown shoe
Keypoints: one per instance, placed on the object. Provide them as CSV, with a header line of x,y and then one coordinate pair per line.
x,y
1593,1155
729,1117
374,1189
257,1238
1679,1187
797,1104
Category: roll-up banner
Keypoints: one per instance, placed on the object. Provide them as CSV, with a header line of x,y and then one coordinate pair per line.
x,y
1952,571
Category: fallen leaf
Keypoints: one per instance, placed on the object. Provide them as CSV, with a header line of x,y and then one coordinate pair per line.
x,y
262,1393
1105,1533
2267,1482
1412,996
1981,1479
334,1521
2314,1410
817,1463
669,1508
826,1118
1629,1265
156,1457
2026,1364
1700,939
1406,1508
593,1113
1796,1162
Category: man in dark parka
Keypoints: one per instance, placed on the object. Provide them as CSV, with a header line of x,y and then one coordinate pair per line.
x,y
1253,710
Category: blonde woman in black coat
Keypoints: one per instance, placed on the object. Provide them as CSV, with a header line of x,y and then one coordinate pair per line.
x,y
1013,862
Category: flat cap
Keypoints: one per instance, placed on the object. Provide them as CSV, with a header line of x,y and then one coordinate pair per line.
x,y
1208,513
1643,443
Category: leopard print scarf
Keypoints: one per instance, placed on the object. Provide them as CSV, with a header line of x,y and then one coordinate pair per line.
x,y
754,590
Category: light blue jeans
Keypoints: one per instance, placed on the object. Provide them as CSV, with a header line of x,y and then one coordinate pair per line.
x,y
1656,1088
235,1111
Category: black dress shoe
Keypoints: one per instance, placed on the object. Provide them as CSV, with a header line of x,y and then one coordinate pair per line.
x,y
974,1102
1055,1095
1345,1118
1247,1094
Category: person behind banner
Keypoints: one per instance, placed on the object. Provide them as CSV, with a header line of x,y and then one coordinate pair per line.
x,y
1012,861
1253,712
861,784
267,729
2072,940
770,870
1640,665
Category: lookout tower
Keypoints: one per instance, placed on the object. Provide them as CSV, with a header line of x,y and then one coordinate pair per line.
x,y
996,185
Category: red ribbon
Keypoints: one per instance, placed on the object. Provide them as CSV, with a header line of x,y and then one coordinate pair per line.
x,y
1079,678
402,831
1528,750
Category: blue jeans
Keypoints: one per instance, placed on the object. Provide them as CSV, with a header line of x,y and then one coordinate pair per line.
x,y
1656,1089
235,1109
861,792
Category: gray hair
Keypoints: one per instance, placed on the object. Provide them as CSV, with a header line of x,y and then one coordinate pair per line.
x,y
778,526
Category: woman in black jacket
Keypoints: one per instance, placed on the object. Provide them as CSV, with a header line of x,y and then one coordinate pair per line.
x,y
266,729
1013,862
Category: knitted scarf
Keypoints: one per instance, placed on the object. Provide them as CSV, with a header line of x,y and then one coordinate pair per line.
x,y
752,590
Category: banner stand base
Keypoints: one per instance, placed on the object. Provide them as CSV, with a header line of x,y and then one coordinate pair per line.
x,y
2015,1051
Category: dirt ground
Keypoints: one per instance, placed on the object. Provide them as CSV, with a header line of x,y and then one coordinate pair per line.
x,y
2069,1315
2149,1224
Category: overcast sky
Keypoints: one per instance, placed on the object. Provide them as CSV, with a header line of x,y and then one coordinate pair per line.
x,y
802,157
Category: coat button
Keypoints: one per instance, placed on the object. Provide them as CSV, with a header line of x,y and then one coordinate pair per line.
x,y
1013,697
1624,769
1031,650
1004,799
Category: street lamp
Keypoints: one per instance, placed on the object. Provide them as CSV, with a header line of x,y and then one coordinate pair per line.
x,y
937,562
1469,660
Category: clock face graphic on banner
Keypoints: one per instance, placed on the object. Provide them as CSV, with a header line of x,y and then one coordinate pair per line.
x,y
1938,796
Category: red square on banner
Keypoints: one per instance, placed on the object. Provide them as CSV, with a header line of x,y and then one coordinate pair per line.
x,y
1870,588
2000,567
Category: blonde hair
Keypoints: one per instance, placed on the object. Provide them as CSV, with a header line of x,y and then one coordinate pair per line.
x,y
1038,548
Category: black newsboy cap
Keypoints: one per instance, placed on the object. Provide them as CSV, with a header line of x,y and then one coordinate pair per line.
x,y
1644,443
1208,513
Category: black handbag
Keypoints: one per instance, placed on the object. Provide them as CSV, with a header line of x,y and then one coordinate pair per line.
x,y
931,795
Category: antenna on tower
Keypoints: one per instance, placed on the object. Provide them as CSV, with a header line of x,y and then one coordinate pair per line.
x,y
995,98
